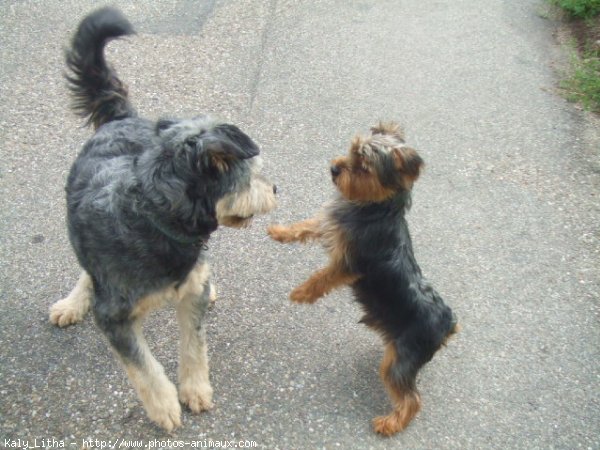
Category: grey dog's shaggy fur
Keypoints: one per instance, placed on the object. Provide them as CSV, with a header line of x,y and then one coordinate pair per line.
x,y
143,199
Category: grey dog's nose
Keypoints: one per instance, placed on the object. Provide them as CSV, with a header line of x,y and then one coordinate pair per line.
x,y
274,189
335,171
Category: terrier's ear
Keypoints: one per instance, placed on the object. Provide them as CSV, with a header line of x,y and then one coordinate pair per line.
x,y
357,145
390,128
408,163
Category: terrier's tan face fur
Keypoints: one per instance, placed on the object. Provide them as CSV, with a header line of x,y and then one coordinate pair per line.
x,y
377,166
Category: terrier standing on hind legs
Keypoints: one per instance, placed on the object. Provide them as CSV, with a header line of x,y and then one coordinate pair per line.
x,y
366,235
143,198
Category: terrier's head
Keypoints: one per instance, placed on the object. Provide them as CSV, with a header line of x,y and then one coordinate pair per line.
x,y
377,167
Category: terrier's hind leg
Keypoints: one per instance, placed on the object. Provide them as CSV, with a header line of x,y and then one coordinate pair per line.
x,y
399,378
195,390
73,308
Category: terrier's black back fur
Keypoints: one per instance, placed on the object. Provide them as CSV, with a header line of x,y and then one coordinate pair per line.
x,y
398,301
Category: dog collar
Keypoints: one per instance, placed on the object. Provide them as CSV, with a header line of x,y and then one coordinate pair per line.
x,y
196,241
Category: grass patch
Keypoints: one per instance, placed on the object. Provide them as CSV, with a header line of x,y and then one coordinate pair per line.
x,y
581,9
583,19
584,84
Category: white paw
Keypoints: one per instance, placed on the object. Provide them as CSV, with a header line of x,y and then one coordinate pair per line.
x,y
196,395
212,295
164,409
64,312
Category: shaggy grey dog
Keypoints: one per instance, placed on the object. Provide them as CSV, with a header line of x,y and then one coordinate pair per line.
x,y
143,199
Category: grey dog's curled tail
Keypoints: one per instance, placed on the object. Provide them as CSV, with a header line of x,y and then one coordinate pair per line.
x,y
98,94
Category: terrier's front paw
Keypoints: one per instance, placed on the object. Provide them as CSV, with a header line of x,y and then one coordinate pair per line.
x,y
302,294
279,233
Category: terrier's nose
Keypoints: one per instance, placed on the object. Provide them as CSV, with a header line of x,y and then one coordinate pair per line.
x,y
335,171
274,189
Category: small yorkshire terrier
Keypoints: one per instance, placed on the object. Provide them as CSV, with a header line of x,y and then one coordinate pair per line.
x,y
366,235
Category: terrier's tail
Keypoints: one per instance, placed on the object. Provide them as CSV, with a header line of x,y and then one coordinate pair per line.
x,y
98,94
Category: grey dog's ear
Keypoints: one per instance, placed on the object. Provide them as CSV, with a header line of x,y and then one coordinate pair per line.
x,y
235,142
226,144
163,124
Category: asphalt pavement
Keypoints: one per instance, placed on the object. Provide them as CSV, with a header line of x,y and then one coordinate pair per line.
x,y
504,223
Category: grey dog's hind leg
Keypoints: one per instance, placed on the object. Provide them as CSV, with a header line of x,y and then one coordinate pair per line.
x,y
157,393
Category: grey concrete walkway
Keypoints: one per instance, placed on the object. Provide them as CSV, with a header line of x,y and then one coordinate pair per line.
x,y
505,222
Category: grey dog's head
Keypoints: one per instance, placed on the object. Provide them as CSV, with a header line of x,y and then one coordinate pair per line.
x,y
213,168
